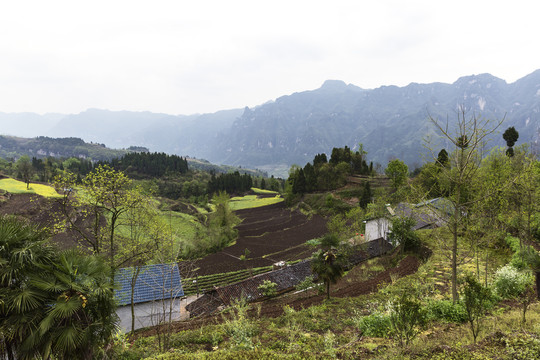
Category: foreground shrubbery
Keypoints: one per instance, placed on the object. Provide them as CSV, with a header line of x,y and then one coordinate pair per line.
x,y
510,282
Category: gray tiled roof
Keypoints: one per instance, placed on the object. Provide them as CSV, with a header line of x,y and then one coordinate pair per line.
x,y
154,282
423,217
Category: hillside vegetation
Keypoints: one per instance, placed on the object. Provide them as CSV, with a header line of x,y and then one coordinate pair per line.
x,y
450,268
471,294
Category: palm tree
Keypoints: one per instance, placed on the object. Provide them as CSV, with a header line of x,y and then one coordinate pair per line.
x,y
50,304
23,249
327,263
81,309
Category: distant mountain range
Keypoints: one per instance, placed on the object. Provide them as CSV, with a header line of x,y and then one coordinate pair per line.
x,y
390,121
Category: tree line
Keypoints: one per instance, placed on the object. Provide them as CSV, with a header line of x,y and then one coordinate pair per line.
x,y
150,164
232,183
323,174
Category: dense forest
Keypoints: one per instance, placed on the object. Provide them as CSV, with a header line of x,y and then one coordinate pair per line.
x,y
150,164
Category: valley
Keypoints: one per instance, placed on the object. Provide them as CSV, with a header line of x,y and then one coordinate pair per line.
x,y
341,258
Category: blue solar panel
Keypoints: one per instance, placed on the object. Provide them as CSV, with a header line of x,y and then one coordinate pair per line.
x,y
154,282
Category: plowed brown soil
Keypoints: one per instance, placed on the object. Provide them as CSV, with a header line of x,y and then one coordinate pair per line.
x,y
270,234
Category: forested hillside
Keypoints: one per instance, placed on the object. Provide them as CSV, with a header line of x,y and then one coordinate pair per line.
x,y
43,147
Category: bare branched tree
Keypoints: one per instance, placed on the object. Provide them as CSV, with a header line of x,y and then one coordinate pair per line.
x,y
468,137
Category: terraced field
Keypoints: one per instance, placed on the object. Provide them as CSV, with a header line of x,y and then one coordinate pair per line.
x,y
270,233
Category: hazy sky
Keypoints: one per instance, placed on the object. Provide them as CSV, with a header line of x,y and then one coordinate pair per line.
x,y
183,57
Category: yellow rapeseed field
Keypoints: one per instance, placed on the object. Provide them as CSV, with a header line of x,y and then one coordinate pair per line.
x,y
19,187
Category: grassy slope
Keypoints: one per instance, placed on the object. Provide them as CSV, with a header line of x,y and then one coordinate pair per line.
x,y
263,191
252,201
329,330
19,187
184,227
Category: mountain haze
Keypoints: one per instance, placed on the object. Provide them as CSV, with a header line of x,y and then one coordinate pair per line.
x,y
390,121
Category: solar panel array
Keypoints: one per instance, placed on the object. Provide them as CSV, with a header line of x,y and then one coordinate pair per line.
x,y
154,282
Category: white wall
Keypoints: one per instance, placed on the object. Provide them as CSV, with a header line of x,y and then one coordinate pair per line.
x,y
149,313
377,228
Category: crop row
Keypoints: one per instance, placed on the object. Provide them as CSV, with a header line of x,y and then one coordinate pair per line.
x,y
207,282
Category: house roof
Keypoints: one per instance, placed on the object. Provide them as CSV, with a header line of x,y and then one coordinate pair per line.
x,y
441,204
423,216
154,282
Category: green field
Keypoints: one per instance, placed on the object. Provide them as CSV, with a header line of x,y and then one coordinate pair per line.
x,y
19,187
252,201
183,227
263,191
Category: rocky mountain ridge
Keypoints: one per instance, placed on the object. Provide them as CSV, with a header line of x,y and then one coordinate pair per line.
x,y
390,121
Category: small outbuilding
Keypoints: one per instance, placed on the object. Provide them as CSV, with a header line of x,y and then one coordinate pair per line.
x,y
157,291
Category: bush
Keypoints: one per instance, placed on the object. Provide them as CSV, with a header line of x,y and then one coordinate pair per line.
x,y
510,282
239,327
268,288
476,300
376,325
518,260
403,233
445,310
523,346
407,318
307,283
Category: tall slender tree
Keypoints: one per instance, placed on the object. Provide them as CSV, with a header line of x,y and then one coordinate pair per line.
x,y
510,136
468,138
25,169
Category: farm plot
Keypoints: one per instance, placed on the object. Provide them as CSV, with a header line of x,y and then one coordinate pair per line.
x,y
19,187
270,234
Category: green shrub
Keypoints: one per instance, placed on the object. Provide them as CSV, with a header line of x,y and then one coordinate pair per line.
x,y
445,310
406,317
375,325
477,299
254,354
268,288
308,283
510,282
518,260
403,233
239,327
523,347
